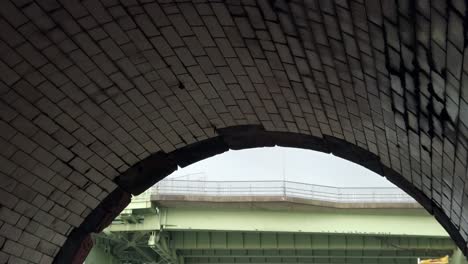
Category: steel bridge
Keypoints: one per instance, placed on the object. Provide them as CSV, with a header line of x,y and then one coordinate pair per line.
x,y
185,222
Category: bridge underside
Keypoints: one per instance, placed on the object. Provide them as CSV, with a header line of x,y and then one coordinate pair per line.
x,y
192,247
99,99
178,230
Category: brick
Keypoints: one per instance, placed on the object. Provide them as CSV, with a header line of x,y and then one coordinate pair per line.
x,y
10,232
13,248
32,255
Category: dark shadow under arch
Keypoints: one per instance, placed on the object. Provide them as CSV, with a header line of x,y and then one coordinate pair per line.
x,y
147,172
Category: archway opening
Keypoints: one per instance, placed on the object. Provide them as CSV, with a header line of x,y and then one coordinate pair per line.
x,y
153,169
307,183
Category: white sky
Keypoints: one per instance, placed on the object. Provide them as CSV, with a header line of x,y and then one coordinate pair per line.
x,y
271,163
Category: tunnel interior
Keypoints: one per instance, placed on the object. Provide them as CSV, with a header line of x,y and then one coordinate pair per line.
x,y
101,99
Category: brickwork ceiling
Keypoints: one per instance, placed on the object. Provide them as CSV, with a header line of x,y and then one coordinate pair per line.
x,y
101,98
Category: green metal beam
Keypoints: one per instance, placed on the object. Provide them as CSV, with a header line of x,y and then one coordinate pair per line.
x,y
159,242
299,261
411,222
274,240
149,223
401,254
240,245
414,222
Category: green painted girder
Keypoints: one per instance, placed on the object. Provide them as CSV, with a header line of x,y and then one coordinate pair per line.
x,y
316,220
318,254
191,245
125,246
298,261
411,222
159,242
263,240
221,247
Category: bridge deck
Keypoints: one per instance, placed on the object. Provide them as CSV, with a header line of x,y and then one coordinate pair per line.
x,y
197,229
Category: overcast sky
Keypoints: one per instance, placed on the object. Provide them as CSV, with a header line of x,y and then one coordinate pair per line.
x,y
272,163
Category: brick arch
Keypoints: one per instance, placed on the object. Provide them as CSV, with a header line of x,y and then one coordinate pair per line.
x,y
89,89
156,167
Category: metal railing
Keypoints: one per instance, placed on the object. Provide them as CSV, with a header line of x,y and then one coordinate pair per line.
x,y
279,189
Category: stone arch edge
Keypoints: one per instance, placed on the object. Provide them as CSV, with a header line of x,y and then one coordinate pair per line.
x,y
154,168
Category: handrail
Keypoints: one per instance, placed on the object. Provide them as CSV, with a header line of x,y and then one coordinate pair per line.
x,y
284,189
273,181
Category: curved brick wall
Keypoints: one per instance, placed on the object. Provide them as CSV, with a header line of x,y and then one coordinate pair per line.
x,y
101,98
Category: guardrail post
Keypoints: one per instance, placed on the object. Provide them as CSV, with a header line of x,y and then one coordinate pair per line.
x,y
284,189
